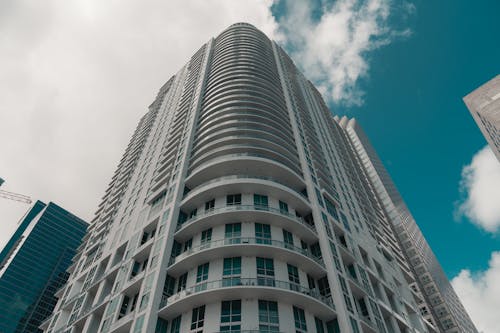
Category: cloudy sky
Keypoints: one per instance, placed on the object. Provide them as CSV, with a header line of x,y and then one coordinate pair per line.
x,y
76,76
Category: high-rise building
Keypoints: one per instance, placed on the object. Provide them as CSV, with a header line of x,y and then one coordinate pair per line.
x,y
440,304
33,266
484,106
243,205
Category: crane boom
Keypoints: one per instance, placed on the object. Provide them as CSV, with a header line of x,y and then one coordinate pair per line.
x,y
15,196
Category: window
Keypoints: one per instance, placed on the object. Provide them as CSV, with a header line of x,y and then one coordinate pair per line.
x,y
169,286
182,282
197,319
202,273
283,207
265,272
333,326
124,307
232,233
206,237
354,325
210,205
316,250
324,287
230,316
310,282
176,325
330,207
136,268
319,325
288,238
260,201
193,213
231,271
300,320
268,316
293,277
233,199
188,245
262,233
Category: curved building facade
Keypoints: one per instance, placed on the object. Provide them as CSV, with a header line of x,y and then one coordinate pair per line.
x,y
238,206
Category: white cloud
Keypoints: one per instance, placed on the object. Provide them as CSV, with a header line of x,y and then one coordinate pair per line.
x,y
481,186
333,49
76,78
480,294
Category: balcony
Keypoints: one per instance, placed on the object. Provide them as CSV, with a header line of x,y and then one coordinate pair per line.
x,y
246,213
246,288
247,184
123,324
247,247
244,163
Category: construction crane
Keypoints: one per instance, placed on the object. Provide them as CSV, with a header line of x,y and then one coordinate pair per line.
x,y
14,196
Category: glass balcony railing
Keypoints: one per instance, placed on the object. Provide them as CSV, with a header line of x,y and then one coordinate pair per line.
x,y
266,282
233,208
215,180
246,241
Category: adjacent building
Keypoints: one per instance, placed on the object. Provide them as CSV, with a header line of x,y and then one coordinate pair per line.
x,y
484,106
33,266
242,204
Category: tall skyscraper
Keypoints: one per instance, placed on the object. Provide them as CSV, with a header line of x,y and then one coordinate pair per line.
x,y
33,266
439,303
484,106
242,205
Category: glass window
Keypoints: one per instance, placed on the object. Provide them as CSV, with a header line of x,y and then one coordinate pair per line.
x,y
202,274
230,316
231,271
260,201
265,272
206,236
182,282
188,245
198,319
283,207
319,325
324,287
330,207
210,205
288,238
169,286
316,250
268,316
262,233
176,325
293,277
232,233
300,320
233,199
354,325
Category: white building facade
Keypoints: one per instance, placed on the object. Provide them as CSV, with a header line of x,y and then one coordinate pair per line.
x,y
240,205
484,106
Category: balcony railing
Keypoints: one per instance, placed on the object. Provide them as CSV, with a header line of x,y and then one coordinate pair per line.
x,y
245,241
235,282
233,208
215,180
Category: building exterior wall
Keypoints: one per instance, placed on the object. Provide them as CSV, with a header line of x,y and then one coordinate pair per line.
x,y
484,106
242,208
35,269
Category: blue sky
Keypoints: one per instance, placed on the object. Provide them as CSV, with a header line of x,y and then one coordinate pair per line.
x,y
413,112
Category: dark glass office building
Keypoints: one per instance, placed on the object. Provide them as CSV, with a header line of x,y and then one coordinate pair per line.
x,y
33,266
